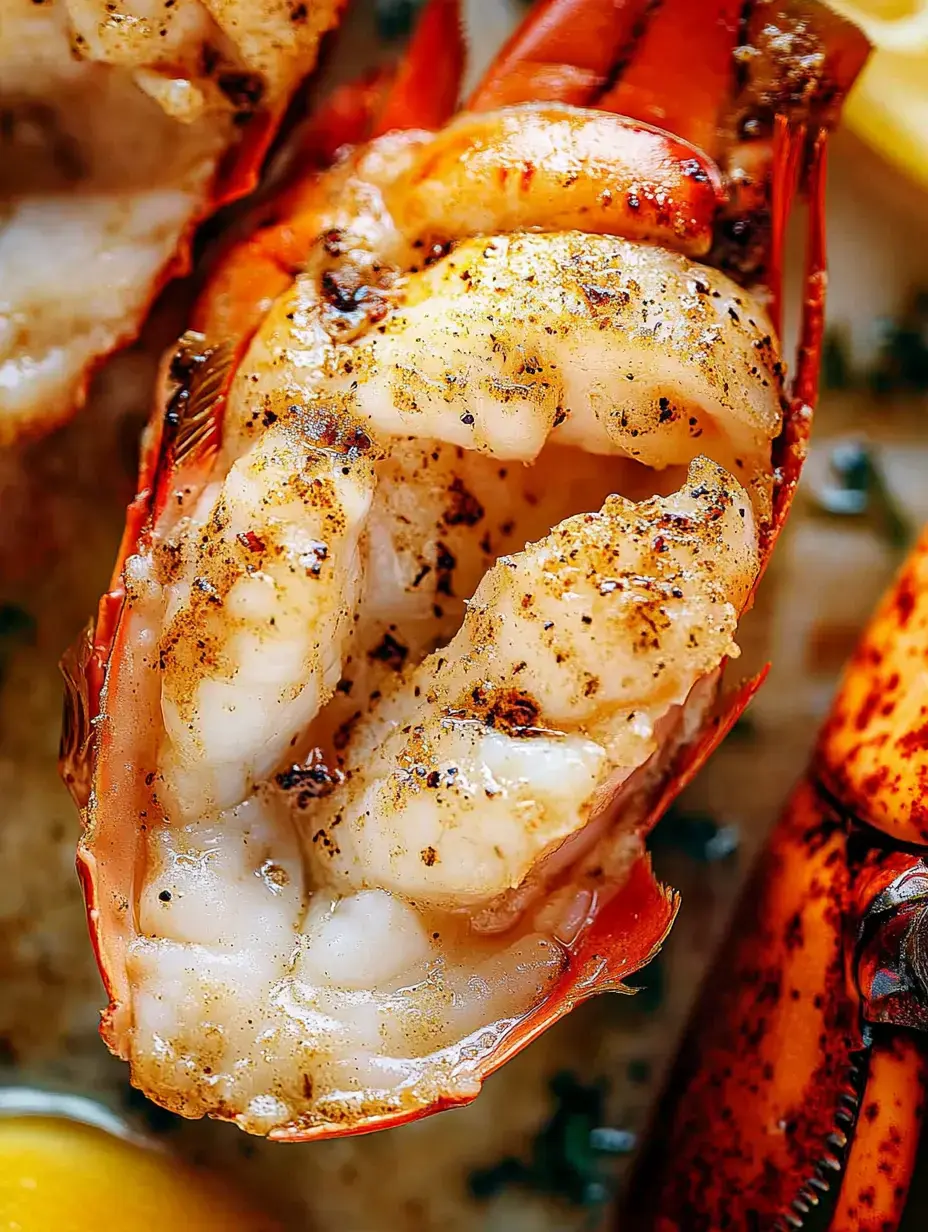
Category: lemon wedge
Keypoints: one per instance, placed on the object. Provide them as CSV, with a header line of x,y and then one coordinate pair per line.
x,y
888,106
58,1175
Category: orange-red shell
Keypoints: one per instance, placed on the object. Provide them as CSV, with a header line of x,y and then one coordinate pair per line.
x,y
873,753
769,1056
634,922
795,1086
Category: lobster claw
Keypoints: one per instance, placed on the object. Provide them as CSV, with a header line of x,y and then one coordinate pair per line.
x,y
892,954
802,1083
891,974
881,1158
753,1126
785,1100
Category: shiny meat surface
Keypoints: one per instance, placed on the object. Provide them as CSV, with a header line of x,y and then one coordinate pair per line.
x,y
405,661
113,122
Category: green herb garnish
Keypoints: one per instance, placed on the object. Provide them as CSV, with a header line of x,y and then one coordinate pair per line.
x,y
698,835
15,623
568,1153
17,628
901,364
745,729
157,1119
639,1071
395,18
836,366
860,491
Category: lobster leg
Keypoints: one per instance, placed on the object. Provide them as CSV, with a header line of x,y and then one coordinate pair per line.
x,y
788,145
618,55
345,117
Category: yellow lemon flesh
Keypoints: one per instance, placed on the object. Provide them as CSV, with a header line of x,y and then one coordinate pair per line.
x,y
888,106
61,1176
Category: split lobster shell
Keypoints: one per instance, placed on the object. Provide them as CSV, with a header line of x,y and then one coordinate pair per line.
x,y
650,64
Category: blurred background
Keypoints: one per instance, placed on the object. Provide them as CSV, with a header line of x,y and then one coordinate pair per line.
x,y
547,1143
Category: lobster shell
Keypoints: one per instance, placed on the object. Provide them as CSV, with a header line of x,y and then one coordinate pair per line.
x,y
564,50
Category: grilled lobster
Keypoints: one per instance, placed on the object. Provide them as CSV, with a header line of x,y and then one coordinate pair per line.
x,y
455,493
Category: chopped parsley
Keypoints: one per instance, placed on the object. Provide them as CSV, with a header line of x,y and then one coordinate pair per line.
x,y
901,364
698,835
859,490
569,1153
17,628
395,18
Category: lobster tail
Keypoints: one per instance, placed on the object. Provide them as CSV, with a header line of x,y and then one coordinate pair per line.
x,y
418,317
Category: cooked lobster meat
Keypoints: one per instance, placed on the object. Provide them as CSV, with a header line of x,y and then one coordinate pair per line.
x,y
122,125
457,489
